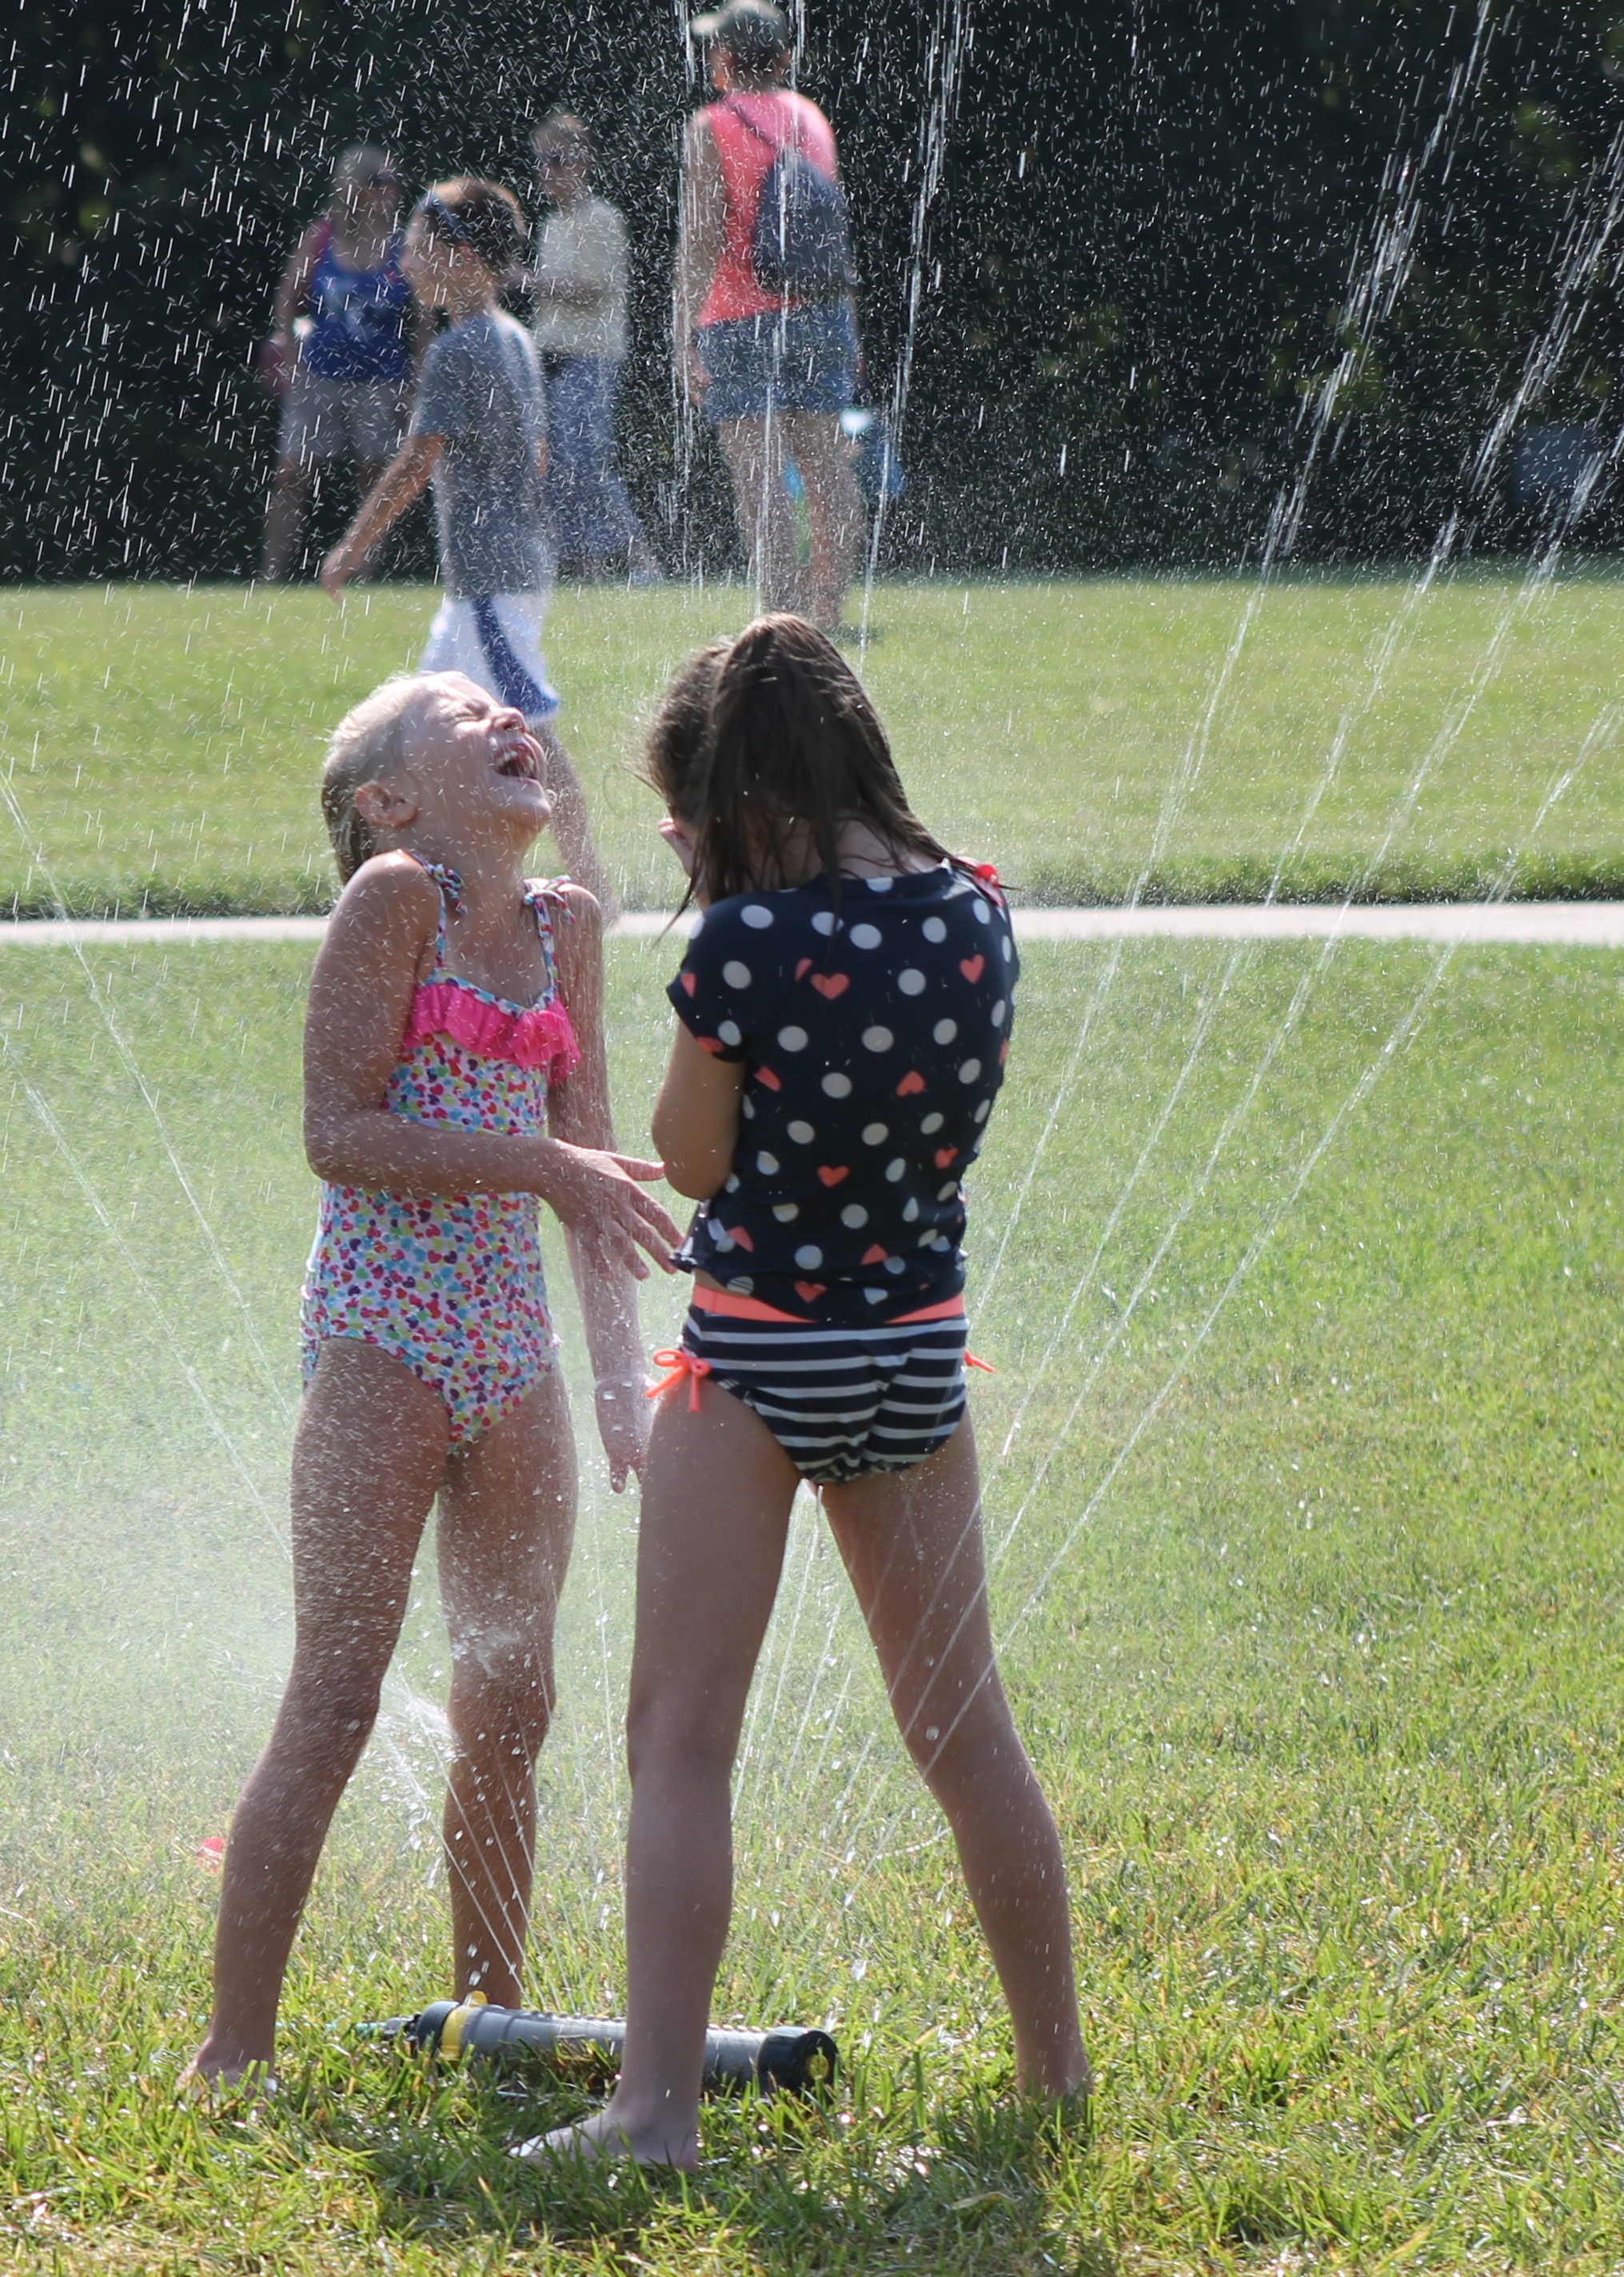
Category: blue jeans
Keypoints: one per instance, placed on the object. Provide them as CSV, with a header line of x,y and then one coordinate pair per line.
x,y
592,517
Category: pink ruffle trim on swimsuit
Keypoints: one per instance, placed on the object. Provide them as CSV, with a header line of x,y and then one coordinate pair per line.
x,y
539,1038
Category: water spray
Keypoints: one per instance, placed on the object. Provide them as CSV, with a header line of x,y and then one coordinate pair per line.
x,y
787,2060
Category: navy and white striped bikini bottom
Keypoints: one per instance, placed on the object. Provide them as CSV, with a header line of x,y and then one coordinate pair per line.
x,y
842,1403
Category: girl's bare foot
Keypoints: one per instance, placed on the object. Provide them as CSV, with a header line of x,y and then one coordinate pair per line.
x,y
208,2075
610,2135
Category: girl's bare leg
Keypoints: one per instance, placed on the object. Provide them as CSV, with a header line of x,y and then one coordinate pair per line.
x,y
507,1517
368,1457
754,450
290,492
833,505
912,1542
716,1515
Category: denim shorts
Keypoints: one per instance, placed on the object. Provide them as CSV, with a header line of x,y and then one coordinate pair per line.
x,y
800,359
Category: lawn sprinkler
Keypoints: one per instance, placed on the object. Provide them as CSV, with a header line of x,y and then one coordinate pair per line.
x,y
790,2060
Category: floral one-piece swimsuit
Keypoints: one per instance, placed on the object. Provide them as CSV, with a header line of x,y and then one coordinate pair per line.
x,y
453,1284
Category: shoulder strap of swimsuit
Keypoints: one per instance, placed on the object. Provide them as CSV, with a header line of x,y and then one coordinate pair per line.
x,y
450,883
544,895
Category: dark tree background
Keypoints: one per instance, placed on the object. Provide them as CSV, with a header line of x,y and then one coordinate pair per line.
x,y
1130,241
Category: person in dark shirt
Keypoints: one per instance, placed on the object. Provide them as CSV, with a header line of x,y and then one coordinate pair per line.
x,y
844,1013
873,1035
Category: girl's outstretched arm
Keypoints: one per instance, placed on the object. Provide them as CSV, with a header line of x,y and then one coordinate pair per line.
x,y
578,1112
402,484
378,947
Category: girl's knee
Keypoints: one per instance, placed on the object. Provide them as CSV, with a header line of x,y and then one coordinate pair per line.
x,y
665,1729
502,1699
954,1753
331,1716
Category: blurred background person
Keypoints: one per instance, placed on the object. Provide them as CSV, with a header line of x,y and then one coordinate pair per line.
x,y
579,287
342,354
772,361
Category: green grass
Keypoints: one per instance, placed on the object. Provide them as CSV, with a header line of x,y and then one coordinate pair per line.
x,y
162,742
1321,1674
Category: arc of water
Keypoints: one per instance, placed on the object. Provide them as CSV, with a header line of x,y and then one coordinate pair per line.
x,y
1377,276
949,42
1397,629
137,1074
1602,732
831,1714
1448,735
1575,279
1539,578
1376,279
1589,242
1239,959
1540,574
614,1705
760,1712
170,1334
388,1731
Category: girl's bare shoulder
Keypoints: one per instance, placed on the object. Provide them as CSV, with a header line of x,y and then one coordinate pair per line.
x,y
390,895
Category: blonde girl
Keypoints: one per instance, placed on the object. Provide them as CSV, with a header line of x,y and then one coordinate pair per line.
x,y
453,1074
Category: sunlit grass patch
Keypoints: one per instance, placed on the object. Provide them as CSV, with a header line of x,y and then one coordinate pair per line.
x,y
162,743
1321,1673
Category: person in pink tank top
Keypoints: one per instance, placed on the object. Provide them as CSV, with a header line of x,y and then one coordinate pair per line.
x,y
772,371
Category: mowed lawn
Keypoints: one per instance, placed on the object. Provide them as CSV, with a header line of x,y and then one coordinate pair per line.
x,y
1089,736
1303,1488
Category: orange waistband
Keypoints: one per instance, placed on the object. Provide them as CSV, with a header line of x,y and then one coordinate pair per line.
x,y
751,1308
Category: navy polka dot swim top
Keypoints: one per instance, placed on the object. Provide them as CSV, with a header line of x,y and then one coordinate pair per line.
x,y
875,1036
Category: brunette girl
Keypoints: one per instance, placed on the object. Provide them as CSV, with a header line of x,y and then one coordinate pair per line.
x,y
843,1017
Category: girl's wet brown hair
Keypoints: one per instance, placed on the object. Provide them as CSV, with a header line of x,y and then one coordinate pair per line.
x,y
764,747
674,757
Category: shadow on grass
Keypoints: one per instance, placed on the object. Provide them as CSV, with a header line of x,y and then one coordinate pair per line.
x,y
883,2177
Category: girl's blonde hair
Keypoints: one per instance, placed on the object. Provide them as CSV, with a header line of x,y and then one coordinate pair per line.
x,y
367,745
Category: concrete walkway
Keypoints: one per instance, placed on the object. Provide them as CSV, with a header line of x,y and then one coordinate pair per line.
x,y
1579,925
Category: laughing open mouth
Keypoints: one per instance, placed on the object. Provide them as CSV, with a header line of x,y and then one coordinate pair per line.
x,y
519,767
